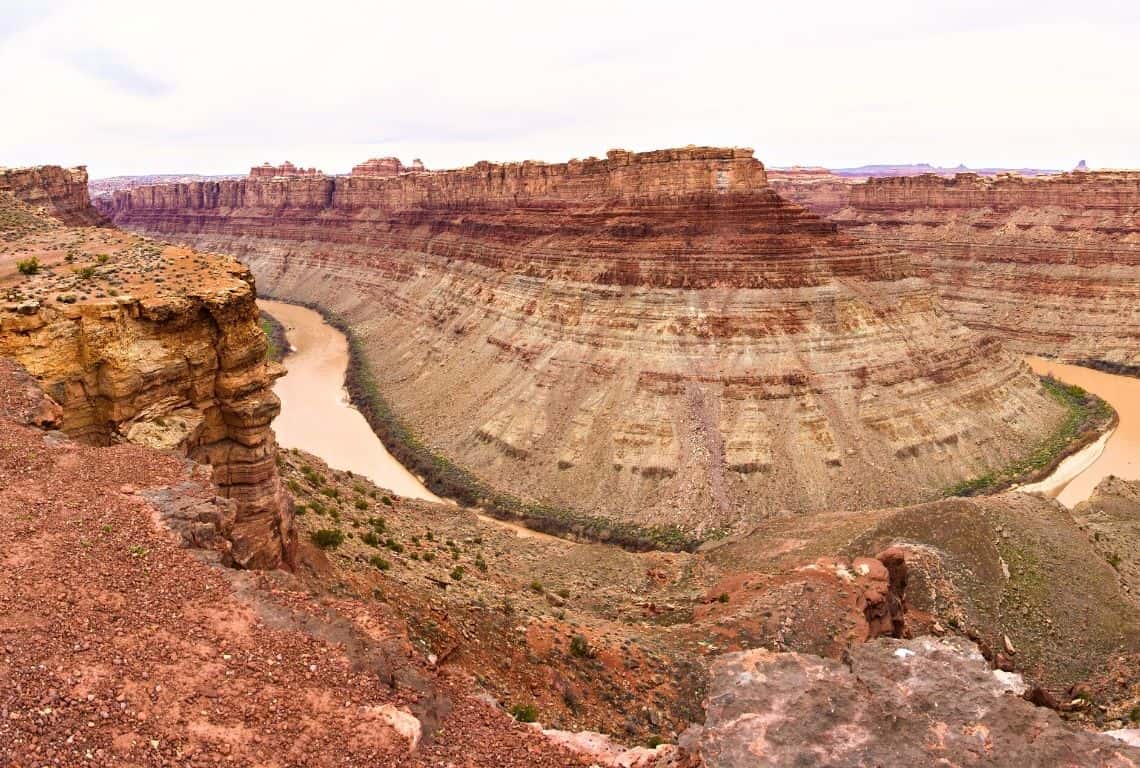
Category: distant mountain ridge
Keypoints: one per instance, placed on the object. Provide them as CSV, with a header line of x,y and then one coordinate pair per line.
x,y
917,169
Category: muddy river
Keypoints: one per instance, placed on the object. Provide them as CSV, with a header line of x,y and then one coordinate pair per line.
x,y
317,417
1117,453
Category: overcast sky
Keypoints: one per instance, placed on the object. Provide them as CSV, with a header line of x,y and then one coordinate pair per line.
x,y
213,87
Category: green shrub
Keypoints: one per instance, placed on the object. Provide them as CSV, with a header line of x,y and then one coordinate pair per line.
x,y
524,713
327,538
722,597
28,266
480,563
371,539
536,586
361,504
580,647
457,573
85,273
379,562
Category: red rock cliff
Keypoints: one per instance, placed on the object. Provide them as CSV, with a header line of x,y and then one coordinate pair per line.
x,y
154,345
61,192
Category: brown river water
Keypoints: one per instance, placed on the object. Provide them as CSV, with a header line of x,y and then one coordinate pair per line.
x,y
316,416
1117,453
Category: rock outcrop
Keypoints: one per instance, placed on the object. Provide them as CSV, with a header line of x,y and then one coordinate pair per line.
x,y
151,344
385,167
286,170
924,701
1051,264
61,192
652,337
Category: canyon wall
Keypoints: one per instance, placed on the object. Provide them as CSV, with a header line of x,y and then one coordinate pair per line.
x,y
151,344
1049,264
654,337
61,192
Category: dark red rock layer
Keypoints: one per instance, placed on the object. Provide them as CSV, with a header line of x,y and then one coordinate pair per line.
x,y
627,220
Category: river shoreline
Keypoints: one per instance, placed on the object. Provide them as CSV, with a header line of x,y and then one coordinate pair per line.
x,y
1120,455
316,415
401,461
450,483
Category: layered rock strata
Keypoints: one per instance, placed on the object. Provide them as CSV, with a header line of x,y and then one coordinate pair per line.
x,y
1050,264
61,192
656,337
154,345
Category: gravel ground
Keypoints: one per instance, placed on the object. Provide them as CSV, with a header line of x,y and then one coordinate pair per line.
x,y
118,648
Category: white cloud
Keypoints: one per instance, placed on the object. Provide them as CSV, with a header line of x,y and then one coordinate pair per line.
x,y
210,86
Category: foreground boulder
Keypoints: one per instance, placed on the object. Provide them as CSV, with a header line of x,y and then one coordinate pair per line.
x,y
917,702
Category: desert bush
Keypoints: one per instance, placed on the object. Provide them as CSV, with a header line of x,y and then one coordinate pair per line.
x,y
327,538
524,713
580,647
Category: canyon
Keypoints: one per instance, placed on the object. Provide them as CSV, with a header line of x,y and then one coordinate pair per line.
x,y
648,348
137,458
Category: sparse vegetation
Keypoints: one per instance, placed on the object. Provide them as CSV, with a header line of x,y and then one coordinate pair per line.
x,y
580,647
524,713
328,538
28,266
1086,415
